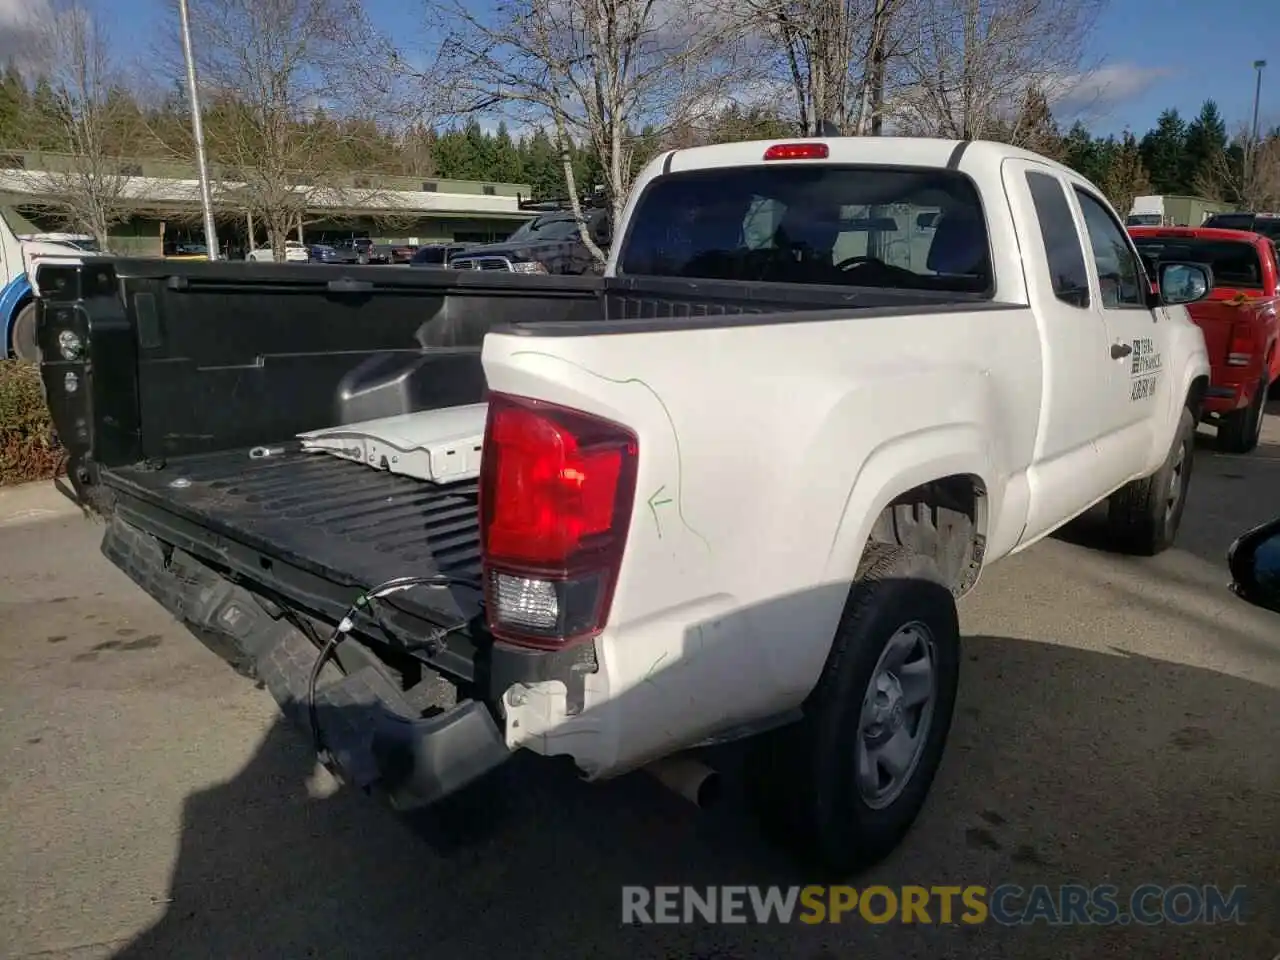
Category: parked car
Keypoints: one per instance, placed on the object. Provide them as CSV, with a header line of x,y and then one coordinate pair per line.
x,y
731,489
294,252
358,247
377,253
324,253
1254,561
549,243
1267,224
438,254
1239,320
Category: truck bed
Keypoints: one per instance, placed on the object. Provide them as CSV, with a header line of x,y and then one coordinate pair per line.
x,y
188,366
315,529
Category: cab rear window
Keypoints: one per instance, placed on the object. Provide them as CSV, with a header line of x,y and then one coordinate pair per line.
x,y
1234,264
858,226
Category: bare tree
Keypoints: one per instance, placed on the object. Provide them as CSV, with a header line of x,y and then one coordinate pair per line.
x,y
1249,174
89,188
836,57
594,71
270,70
1260,188
816,40
971,62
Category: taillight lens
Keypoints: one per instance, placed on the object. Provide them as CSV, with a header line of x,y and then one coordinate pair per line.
x,y
556,493
798,151
1240,353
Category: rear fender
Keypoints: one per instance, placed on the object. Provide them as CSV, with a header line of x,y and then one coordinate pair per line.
x,y
893,469
900,465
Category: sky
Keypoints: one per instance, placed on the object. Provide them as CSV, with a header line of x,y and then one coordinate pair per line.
x,y
1145,55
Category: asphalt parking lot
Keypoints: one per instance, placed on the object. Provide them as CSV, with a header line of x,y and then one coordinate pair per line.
x,y
1118,723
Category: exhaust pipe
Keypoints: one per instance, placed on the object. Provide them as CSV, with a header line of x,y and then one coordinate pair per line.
x,y
690,778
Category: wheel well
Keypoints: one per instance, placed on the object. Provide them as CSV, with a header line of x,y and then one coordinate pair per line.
x,y
945,519
1195,397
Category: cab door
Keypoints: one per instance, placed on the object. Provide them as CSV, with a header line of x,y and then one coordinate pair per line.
x,y
1138,384
1076,410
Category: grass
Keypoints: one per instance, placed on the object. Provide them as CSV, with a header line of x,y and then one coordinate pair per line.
x,y
28,449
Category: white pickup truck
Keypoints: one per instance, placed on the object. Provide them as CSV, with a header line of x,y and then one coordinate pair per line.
x,y
731,489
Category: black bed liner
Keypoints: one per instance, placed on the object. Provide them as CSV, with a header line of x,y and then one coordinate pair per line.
x,y
318,530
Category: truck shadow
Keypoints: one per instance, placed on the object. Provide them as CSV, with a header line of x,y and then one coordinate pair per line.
x,y
1064,765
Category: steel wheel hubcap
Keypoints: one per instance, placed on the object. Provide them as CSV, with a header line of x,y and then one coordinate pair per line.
x,y
897,709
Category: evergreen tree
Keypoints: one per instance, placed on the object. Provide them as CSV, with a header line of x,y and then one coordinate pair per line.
x,y
507,165
1083,153
14,108
542,166
1206,141
1164,153
587,170
478,164
1126,176
453,155
45,130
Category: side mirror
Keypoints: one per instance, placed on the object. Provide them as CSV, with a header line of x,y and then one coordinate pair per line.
x,y
1254,561
1184,283
603,233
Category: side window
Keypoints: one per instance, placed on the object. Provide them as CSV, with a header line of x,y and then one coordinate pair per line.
x,y
1120,275
1061,239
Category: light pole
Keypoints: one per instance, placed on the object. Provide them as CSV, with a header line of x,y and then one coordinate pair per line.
x,y
1257,94
197,133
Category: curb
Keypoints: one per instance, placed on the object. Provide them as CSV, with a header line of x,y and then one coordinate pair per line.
x,y
34,502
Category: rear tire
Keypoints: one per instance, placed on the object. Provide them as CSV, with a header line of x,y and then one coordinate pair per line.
x,y
805,779
22,337
1143,516
1240,431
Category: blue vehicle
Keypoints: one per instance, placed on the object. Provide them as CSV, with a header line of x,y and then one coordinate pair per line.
x,y
324,253
19,254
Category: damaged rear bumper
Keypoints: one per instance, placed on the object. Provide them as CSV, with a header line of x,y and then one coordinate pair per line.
x,y
376,738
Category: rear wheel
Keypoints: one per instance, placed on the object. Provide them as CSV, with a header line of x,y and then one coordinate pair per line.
x,y
22,336
1240,431
843,785
1143,516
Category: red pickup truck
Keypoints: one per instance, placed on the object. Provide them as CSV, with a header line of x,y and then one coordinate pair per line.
x,y
1238,318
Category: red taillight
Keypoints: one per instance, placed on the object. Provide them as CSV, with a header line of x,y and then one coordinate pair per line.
x,y
798,151
556,491
1240,353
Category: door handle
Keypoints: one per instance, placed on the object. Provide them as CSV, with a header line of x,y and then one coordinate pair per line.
x,y
1119,350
